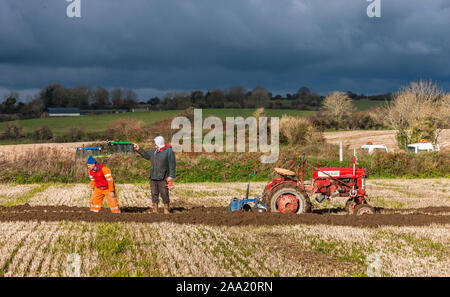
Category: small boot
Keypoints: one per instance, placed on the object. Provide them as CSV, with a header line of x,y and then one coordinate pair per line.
x,y
166,208
155,207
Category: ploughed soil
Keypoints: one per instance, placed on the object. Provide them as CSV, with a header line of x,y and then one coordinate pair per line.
x,y
220,217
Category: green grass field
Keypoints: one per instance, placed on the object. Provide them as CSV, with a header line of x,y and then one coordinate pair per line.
x,y
366,104
363,104
91,123
246,112
99,123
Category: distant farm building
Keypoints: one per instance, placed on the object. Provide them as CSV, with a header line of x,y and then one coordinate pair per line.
x,y
120,110
96,111
102,111
139,109
74,112
63,112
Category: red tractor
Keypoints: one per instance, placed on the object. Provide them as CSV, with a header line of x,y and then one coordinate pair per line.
x,y
287,193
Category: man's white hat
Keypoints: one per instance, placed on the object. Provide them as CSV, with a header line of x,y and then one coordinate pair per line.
x,y
159,141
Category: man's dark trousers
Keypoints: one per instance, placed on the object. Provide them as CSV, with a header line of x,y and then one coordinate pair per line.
x,y
159,187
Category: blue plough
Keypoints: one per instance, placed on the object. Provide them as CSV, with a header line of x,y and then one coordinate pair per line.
x,y
246,203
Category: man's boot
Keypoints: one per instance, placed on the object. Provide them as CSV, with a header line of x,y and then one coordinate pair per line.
x,y
166,209
155,207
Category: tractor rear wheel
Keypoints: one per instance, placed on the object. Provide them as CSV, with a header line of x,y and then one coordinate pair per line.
x,y
363,209
288,198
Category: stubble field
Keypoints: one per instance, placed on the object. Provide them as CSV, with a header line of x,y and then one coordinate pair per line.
x,y
42,225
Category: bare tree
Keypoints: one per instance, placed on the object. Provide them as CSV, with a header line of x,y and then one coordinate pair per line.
x,y
215,98
417,111
100,98
9,104
117,97
338,104
80,96
259,97
443,115
236,94
303,91
130,100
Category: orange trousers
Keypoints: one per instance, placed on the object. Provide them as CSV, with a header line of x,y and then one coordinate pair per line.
x,y
97,201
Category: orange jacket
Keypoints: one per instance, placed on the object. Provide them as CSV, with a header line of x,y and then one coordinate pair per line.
x,y
101,178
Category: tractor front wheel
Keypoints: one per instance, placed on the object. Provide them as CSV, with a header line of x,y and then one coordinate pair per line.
x,y
288,198
363,209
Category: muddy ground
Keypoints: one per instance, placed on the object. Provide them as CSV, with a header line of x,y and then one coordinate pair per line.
x,y
218,216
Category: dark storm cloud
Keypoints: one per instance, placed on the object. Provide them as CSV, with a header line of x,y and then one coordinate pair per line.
x,y
202,44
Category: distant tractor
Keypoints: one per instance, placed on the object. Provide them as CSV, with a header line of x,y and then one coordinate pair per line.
x,y
114,147
83,152
111,147
287,193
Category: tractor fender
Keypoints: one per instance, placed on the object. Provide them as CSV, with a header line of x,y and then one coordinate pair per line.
x,y
267,192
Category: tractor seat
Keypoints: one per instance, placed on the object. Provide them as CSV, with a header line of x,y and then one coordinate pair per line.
x,y
284,172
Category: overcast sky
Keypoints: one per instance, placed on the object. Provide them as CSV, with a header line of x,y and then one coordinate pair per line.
x,y
156,46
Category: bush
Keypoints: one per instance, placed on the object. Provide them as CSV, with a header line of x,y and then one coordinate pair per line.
x,y
74,134
127,130
338,105
188,113
276,105
13,131
364,120
92,136
42,133
298,130
161,128
53,165
9,117
402,164
231,105
260,112
419,110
